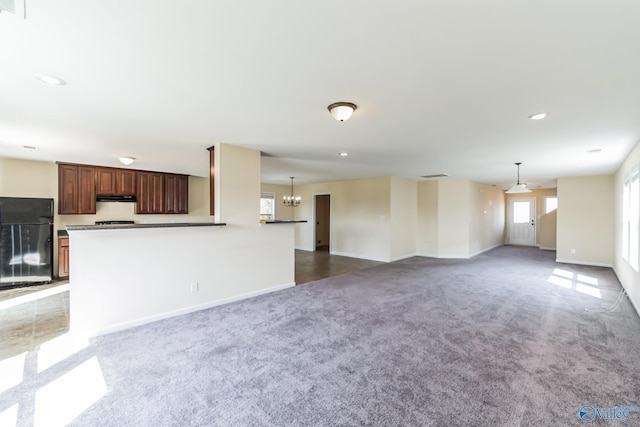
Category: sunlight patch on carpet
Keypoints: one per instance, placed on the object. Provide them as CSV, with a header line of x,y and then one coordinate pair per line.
x,y
62,400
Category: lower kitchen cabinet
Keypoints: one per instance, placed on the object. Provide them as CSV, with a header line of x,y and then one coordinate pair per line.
x,y
63,257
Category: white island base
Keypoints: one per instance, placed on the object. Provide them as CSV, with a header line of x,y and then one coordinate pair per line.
x,y
127,276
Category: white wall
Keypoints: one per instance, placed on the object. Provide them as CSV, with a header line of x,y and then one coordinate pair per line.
x,y
629,278
123,278
585,220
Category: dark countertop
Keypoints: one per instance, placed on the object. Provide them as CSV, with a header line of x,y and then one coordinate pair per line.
x,y
284,221
62,234
137,226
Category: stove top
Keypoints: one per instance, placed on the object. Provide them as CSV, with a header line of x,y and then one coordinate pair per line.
x,y
113,222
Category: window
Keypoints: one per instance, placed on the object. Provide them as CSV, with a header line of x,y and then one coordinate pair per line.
x,y
521,212
631,219
268,206
550,204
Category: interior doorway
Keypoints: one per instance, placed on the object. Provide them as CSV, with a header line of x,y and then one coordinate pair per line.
x,y
522,221
322,229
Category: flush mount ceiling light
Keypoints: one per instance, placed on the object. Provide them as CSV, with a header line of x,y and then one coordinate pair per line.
x,y
51,80
518,188
341,111
291,201
538,116
126,160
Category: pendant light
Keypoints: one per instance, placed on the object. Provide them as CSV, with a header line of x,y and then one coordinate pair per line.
x,y
291,201
518,188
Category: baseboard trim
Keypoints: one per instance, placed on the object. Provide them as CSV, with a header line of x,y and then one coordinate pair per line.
x,y
484,250
186,310
543,248
400,258
357,256
591,264
458,256
633,304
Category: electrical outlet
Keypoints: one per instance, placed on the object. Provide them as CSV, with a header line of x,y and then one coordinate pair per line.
x,y
194,287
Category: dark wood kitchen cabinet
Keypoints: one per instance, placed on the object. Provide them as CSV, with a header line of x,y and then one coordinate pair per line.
x,y
115,182
150,193
76,189
63,258
176,194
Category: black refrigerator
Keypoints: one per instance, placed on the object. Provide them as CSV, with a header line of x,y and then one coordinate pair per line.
x,y
26,241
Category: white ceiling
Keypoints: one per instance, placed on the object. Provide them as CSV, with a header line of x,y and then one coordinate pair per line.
x,y
441,86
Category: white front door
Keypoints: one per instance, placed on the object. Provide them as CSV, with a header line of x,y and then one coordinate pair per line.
x,y
522,221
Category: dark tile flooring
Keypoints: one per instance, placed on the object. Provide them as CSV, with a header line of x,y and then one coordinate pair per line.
x,y
311,266
33,315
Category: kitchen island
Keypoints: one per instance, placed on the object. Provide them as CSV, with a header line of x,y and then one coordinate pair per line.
x,y
127,275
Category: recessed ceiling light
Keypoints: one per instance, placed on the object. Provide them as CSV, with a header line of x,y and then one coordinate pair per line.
x,y
51,80
538,116
343,154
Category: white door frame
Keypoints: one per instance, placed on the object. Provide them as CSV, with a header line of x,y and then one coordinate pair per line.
x,y
313,214
534,219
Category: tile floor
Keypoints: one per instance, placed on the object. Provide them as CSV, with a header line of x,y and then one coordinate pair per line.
x,y
33,315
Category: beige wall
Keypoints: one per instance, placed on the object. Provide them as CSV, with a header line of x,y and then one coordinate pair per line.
x,y
427,219
237,183
360,225
546,228
282,212
240,260
404,217
370,218
458,218
629,278
585,220
487,218
28,178
453,218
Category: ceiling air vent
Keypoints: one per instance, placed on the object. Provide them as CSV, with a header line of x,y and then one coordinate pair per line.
x,y
437,175
17,7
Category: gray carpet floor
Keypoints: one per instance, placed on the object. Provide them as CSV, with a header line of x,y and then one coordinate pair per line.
x,y
508,338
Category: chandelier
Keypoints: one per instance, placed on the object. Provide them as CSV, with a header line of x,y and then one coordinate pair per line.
x,y
291,201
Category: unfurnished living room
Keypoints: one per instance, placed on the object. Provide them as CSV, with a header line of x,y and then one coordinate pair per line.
x,y
342,213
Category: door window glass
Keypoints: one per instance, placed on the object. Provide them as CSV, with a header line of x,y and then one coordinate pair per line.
x,y
521,213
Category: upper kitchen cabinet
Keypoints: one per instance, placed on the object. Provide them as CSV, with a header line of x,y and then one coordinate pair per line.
x,y
76,189
115,182
150,193
176,194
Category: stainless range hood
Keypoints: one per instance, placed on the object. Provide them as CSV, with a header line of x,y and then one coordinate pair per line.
x,y
130,199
